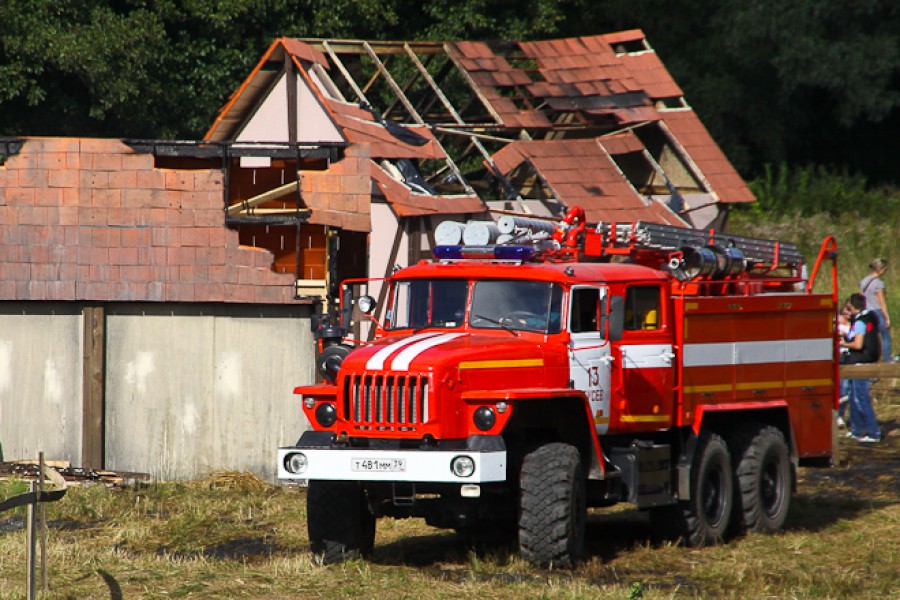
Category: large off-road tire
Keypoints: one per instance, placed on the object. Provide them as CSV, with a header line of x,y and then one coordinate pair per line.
x,y
704,519
708,513
339,521
552,506
763,473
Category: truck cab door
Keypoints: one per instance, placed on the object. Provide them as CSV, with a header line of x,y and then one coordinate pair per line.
x,y
589,352
643,398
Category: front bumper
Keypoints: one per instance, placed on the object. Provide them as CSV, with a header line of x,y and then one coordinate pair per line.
x,y
413,465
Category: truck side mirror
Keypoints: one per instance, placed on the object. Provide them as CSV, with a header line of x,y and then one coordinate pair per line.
x,y
616,318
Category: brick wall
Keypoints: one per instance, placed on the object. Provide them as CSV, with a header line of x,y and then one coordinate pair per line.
x,y
89,219
341,195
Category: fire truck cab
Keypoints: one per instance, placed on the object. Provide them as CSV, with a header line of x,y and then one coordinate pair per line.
x,y
504,396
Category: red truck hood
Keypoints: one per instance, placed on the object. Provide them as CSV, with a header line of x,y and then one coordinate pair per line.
x,y
436,350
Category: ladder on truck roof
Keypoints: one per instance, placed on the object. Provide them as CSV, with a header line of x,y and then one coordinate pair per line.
x,y
688,254
656,236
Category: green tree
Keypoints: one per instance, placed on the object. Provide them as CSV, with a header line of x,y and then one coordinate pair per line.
x,y
801,82
67,66
163,68
805,81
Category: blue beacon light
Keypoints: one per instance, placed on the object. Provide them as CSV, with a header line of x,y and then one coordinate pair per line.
x,y
521,253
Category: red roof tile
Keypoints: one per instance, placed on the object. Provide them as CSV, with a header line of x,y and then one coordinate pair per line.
x,y
621,37
303,51
693,136
359,126
580,172
649,72
406,203
621,143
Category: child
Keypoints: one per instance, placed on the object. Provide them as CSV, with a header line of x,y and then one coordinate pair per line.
x,y
843,327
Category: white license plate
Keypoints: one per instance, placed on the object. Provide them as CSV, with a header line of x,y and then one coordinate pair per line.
x,y
378,465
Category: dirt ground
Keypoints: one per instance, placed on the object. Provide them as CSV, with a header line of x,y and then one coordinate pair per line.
x,y
864,470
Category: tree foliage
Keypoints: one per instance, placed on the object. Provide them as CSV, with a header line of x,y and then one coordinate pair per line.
x,y
802,82
806,81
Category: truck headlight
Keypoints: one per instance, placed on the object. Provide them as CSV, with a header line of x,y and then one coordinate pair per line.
x,y
484,418
462,466
326,414
296,463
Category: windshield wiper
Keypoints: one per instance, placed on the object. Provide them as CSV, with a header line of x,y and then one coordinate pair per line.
x,y
500,323
425,326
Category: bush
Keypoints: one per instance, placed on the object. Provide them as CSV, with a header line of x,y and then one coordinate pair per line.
x,y
859,239
816,189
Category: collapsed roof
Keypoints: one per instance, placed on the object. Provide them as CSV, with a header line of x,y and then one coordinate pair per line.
x,y
531,127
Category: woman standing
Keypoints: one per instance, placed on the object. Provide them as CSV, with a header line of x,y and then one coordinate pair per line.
x,y
873,288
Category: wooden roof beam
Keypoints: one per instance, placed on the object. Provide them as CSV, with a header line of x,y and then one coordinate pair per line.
x,y
360,97
412,111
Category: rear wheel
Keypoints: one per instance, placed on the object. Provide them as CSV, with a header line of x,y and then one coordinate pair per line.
x,y
708,512
339,521
552,506
704,518
763,473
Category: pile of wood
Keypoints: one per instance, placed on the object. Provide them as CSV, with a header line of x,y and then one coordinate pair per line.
x,y
28,469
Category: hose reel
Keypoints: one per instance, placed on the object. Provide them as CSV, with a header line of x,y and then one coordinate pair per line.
x,y
710,262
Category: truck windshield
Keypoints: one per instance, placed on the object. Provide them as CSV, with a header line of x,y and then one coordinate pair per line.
x,y
420,303
523,305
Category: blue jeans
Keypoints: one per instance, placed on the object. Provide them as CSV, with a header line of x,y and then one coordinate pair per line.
x,y
844,391
862,415
885,336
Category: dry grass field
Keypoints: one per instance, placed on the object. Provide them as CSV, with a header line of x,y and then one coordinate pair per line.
x,y
231,535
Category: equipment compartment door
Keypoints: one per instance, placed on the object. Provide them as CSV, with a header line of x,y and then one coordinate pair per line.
x,y
589,355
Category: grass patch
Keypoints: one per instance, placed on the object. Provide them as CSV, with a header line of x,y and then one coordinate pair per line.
x,y
234,536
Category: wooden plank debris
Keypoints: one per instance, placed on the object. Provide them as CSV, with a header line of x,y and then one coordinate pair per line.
x,y
28,469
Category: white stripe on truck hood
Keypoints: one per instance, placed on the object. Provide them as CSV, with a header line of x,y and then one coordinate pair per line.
x,y
376,361
401,362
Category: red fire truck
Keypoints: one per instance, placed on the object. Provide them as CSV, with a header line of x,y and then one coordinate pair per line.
x,y
509,387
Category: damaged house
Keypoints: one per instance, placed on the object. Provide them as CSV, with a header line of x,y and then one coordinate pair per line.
x,y
470,130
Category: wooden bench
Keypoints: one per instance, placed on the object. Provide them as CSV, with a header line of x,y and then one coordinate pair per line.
x,y
880,370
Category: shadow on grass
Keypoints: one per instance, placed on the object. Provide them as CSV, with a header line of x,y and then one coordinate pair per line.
x,y
424,550
115,590
607,536
610,535
814,513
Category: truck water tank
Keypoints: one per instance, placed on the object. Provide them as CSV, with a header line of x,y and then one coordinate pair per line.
x,y
448,233
509,223
480,233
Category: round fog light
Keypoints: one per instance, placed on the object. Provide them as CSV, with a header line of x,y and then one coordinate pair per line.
x,y
296,463
326,414
484,418
462,466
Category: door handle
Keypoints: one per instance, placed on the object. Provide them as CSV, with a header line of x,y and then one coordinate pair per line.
x,y
667,356
607,359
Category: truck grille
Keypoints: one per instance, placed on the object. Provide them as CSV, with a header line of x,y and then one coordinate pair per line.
x,y
400,400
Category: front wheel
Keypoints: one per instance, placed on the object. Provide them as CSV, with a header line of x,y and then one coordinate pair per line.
x,y
339,521
553,509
